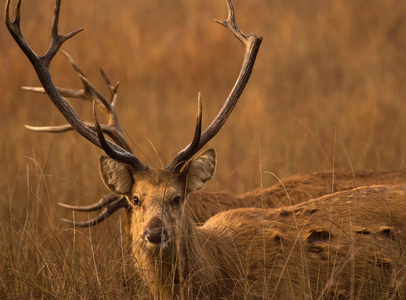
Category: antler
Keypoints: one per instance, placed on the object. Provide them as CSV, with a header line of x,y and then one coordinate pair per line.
x,y
251,44
109,203
41,66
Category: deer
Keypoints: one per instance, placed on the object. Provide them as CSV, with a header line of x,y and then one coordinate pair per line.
x,y
344,245
290,190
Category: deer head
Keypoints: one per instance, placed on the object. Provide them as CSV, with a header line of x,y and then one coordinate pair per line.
x,y
157,197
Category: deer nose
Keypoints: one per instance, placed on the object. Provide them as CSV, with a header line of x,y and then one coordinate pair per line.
x,y
155,235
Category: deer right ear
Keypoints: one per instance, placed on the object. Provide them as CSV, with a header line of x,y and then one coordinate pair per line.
x,y
116,175
199,169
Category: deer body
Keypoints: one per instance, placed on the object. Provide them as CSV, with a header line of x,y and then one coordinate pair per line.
x,y
349,244
334,245
291,190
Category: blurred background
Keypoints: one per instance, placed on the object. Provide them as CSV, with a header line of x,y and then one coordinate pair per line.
x,y
327,91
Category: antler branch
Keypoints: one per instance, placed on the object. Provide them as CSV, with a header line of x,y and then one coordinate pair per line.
x,y
91,94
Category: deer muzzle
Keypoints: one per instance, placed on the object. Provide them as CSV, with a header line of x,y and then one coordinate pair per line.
x,y
155,232
155,235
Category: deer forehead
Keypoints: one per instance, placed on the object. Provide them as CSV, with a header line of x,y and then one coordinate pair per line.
x,y
157,184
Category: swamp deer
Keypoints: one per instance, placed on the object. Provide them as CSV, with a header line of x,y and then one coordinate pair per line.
x,y
203,205
348,244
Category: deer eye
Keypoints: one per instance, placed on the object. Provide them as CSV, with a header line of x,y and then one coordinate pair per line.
x,y
176,201
136,200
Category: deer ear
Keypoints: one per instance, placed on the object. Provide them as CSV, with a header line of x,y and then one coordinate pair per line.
x,y
116,175
199,169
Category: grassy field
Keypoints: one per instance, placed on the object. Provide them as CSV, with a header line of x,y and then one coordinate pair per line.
x,y
328,91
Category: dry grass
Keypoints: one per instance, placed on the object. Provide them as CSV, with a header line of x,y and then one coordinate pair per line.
x,y
328,90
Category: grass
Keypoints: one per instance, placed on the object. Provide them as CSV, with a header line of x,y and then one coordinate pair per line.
x,y
327,91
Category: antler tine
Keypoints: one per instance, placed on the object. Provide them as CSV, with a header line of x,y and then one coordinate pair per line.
x,y
64,92
112,204
106,147
191,150
251,44
41,66
89,92
50,129
112,88
67,127
104,201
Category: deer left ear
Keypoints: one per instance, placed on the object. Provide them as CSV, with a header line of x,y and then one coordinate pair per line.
x,y
115,175
199,169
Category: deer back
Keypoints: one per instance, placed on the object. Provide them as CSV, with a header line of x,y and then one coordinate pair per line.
x,y
291,190
349,244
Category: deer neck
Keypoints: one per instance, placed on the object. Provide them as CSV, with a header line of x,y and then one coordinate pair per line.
x,y
201,259
195,258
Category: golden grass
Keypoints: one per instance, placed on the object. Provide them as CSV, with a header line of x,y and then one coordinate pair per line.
x,y
328,90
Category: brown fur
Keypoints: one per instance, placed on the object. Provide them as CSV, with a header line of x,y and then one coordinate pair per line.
x,y
291,190
345,245
349,244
